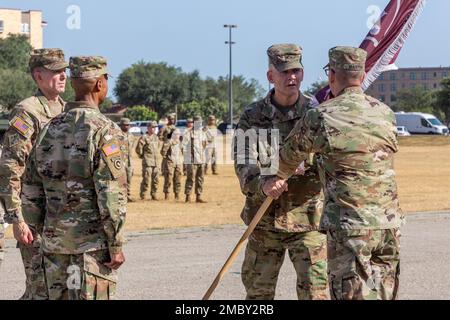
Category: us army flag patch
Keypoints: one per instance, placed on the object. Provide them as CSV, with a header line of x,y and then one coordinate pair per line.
x,y
111,149
21,125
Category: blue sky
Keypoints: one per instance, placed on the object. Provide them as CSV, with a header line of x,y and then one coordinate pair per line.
x,y
190,34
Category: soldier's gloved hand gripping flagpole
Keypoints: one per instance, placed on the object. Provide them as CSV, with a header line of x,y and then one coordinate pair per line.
x,y
383,45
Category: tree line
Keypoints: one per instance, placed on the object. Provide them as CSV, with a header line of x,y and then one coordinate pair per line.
x,y
152,90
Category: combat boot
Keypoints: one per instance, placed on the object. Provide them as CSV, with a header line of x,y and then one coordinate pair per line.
x,y
188,198
130,199
154,197
166,196
177,196
199,199
142,197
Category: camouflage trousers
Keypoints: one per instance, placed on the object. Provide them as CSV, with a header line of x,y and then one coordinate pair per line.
x,y
149,174
80,277
364,264
172,174
33,263
129,178
264,257
211,157
194,172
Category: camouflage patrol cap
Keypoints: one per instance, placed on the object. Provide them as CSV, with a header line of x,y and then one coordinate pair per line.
x,y
285,56
125,121
171,116
51,59
347,58
87,67
152,124
190,120
198,118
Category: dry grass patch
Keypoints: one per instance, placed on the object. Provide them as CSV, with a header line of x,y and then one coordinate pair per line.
x,y
423,176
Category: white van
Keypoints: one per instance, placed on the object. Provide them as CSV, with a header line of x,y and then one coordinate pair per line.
x,y
420,123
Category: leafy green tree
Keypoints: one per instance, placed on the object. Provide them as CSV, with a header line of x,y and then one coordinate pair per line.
x,y
152,84
443,100
107,104
15,86
15,81
205,108
415,100
315,87
163,87
244,91
15,53
141,113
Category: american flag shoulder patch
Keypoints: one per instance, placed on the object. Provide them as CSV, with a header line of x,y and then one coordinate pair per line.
x,y
21,125
111,149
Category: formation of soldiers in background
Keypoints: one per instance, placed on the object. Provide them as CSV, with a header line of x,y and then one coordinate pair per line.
x,y
65,170
182,154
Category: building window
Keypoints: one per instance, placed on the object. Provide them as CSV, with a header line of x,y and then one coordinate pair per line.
x,y
393,76
382,98
412,76
393,98
435,74
394,87
403,75
25,28
381,87
381,77
1,26
435,86
424,76
444,74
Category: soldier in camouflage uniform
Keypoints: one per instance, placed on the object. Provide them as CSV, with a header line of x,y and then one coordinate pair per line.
x,y
194,144
291,223
165,136
147,149
27,119
130,142
173,165
211,152
354,136
76,191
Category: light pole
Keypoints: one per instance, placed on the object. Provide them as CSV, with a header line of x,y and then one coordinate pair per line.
x,y
230,76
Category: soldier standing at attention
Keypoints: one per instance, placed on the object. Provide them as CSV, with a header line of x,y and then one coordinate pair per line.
x,y
175,162
194,144
165,135
354,136
211,152
130,141
147,150
48,70
189,125
292,222
77,191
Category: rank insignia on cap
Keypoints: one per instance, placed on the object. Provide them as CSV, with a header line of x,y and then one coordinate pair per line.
x,y
21,125
111,149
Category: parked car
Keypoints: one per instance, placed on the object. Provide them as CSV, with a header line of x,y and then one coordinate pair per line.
x,y
181,125
403,132
420,123
140,127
